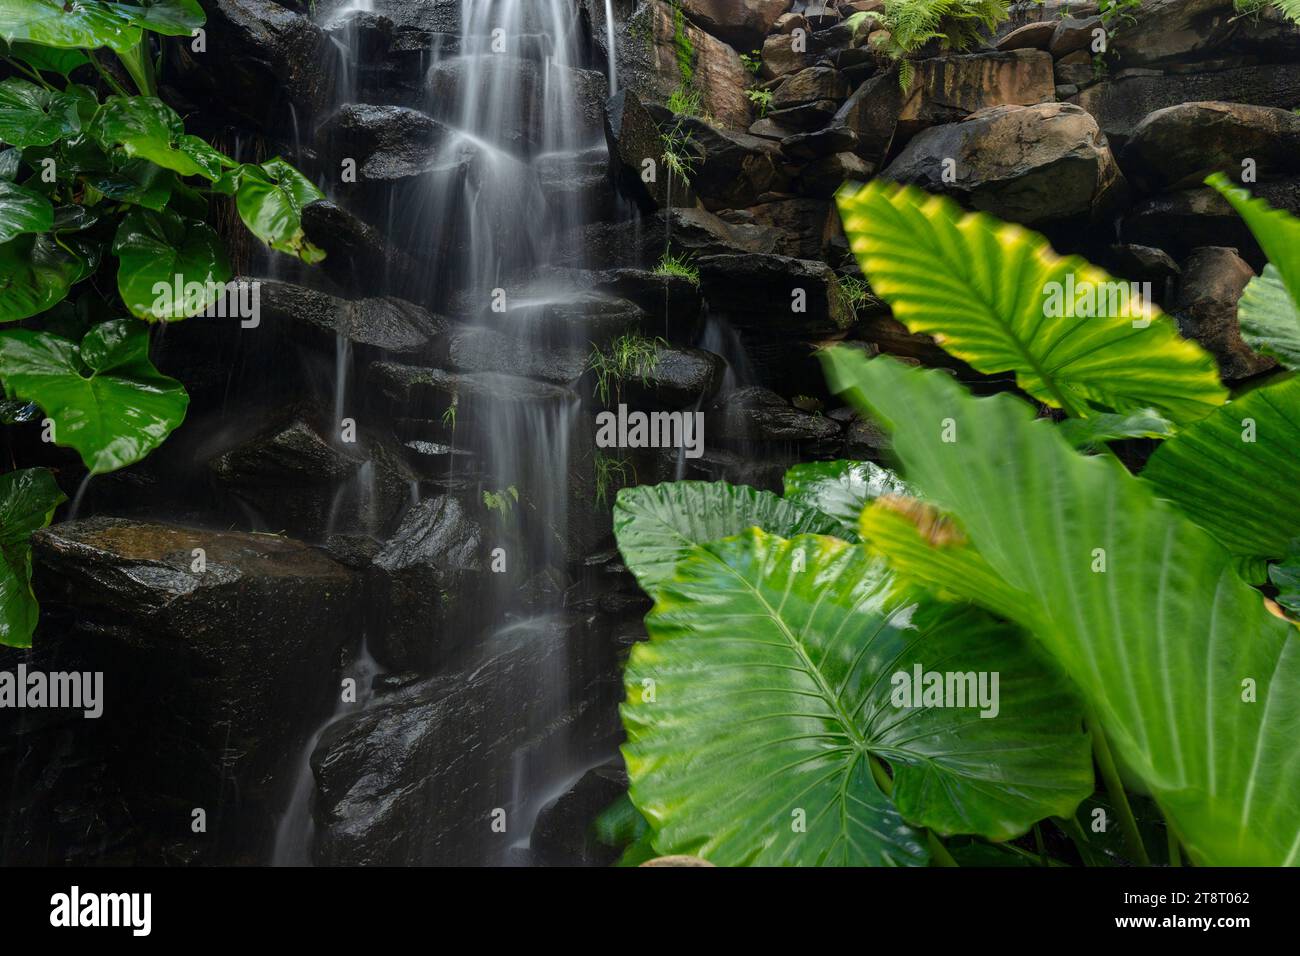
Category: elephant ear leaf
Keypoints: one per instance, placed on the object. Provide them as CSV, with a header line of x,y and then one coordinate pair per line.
x,y
27,501
81,24
1189,674
656,525
31,115
841,489
1235,473
996,296
270,199
104,396
161,250
782,675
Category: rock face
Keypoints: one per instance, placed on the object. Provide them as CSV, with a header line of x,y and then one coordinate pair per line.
x,y
948,88
216,649
273,62
387,142
765,291
1033,164
385,325
562,835
415,779
742,23
1177,147
735,169
1206,309
662,52
429,569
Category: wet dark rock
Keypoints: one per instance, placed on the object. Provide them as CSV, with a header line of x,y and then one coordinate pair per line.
x,y
871,115
381,325
386,142
1181,30
1177,147
764,291
1120,102
358,257
296,478
213,677
758,414
262,63
681,378
647,56
416,777
522,131
671,302
805,228
1179,222
478,349
576,185
563,834
805,117
1030,164
822,142
427,394
734,168
634,142
825,176
427,573
1206,309
1142,264
742,23
809,86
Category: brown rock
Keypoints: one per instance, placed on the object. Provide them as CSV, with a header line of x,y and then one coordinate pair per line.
x,y
1206,309
948,88
742,23
1031,36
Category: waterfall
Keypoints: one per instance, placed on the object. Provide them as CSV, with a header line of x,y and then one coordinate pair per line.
x,y
609,46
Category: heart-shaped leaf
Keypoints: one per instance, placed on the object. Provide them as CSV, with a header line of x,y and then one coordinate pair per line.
x,y
1191,677
175,18
33,116
1270,318
147,128
996,296
35,273
160,253
656,525
27,501
841,489
105,397
1236,473
779,671
270,199
47,59
67,24
22,210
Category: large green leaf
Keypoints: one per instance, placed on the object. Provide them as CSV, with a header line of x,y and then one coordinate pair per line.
x,y
147,128
768,688
1091,433
33,116
176,18
270,199
1277,231
1191,677
1237,473
105,397
986,289
67,24
22,210
35,273
1270,318
48,59
27,502
158,249
656,525
841,489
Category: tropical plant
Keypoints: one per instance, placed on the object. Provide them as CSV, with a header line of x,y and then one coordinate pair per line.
x,y
102,188
760,98
671,265
902,27
752,680
629,356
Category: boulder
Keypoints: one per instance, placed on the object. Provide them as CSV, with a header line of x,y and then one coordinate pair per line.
x,y
634,138
660,52
741,23
948,88
797,296
385,325
576,185
870,115
804,228
1072,35
1181,221
294,477
680,378
563,834
423,577
219,651
734,169
785,53
479,349
415,779
1028,164
1206,308
358,257
1121,102
809,86
263,63
823,177
1179,30
756,414
1177,147
386,142
1030,36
